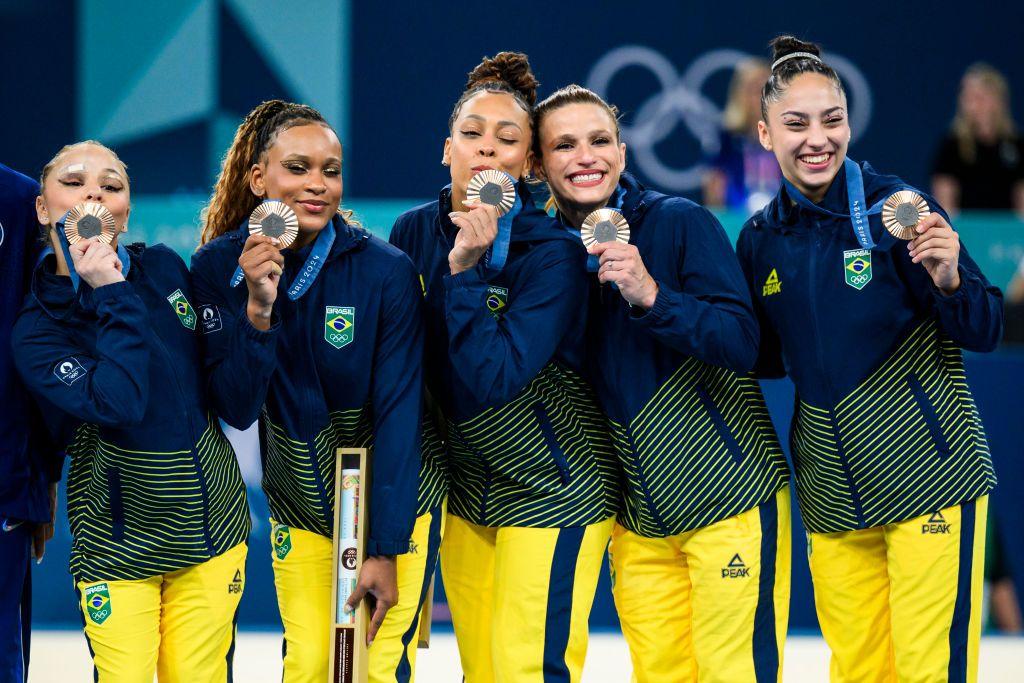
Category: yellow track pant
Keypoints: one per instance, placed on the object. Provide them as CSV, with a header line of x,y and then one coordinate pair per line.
x,y
179,626
708,605
521,597
302,576
902,602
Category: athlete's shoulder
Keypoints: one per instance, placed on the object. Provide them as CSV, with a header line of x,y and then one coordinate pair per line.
x,y
218,251
15,186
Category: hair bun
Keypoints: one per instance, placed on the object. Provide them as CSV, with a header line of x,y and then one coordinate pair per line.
x,y
787,45
511,68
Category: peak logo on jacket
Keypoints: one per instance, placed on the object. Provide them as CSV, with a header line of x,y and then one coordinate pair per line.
x,y
181,306
772,285
339,325
857,267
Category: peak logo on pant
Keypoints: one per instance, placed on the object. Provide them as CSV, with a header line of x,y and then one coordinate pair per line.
x,y
236,583
339,325
97,603
736,569
184,310
936,524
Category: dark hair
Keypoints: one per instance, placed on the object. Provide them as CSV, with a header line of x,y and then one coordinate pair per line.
x,y
232,200
505,72
570,94
786,71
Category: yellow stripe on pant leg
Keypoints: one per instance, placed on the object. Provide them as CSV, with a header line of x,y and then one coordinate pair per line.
x,y
198,625
467,568
851,598
302,576
393,653
122,626
784,570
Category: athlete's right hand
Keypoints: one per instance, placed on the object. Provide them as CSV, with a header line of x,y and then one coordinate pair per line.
x,y
262,263
96,262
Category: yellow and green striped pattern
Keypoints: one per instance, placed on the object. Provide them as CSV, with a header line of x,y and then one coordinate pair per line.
x,y
136,514
907,440
701,450
541,460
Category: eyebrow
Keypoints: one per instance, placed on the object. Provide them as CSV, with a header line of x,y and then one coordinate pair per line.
x,y
804,116
303,157
501,124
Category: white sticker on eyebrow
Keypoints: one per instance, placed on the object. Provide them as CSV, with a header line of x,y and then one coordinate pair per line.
x,y
73,168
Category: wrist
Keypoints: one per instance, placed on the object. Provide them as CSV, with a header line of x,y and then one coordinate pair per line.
x,y
650,296
259,315
953,286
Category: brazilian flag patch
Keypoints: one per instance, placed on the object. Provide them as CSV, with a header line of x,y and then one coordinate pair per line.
x,y
339,325
497,300
97,603
181,306
857,267
282,541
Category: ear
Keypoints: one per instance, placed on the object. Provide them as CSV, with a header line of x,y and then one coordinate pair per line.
x,y
764,136
530,165
42,214
257,183
127,215
446,153
622,157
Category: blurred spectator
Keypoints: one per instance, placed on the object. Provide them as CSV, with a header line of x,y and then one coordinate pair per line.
x,y
980,164
743,176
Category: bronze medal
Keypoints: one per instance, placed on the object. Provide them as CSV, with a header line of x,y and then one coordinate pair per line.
x,y
274,219
901,213
494,188
604,225
90,220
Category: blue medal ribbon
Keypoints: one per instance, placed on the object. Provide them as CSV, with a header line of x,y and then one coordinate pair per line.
x,y
122,254
310,269
497,254
858,209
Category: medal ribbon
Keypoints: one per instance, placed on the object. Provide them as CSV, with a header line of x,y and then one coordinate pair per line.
x,y
310,269
859,211
122,254
496,255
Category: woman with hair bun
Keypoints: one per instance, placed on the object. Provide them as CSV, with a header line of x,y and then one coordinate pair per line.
x,y
866,297
325,359
532,493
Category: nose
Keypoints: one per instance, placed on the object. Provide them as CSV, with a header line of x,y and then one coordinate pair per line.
x,y
816,135
486,148
316,183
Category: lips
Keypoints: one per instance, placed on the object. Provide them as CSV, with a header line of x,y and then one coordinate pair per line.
x,y
482,167
313,205
586,178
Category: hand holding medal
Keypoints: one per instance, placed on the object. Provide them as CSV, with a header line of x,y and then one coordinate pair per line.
x,y
605,233
89,229
272,226
490,195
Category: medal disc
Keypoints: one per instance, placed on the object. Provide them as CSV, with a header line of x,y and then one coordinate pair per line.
x,y
494,188
90,220
604,225
274,219
902,212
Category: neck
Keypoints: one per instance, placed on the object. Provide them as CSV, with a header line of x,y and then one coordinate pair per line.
x,y
304,239
577,213
458,198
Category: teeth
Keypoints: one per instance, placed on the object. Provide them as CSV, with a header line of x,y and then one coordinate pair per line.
x,y
816,159
586,178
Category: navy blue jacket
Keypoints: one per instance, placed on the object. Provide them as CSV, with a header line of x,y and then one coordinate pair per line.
x,y
313,396
504,356
885,427
154,485
27,460
691,429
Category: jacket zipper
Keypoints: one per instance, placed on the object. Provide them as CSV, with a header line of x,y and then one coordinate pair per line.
x,y
326,513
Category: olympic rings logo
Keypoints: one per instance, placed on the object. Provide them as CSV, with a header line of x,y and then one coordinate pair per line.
x,y
681,100
860,279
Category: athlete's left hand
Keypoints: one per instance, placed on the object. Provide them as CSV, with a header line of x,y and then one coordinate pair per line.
x,y
937,248
621,264
42,533
378,577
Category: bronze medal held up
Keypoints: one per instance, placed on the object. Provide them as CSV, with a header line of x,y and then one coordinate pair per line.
x,y
274,219
90,220
901,213
494,188
604,225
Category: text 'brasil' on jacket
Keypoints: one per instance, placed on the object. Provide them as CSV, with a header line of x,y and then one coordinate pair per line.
x,y
341,366
690,426
885,427
525,438
154,485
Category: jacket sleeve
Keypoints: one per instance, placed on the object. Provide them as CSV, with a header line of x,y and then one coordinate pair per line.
x,y
973,315
712,320
108,387
397,395
238,359
769,364
495,358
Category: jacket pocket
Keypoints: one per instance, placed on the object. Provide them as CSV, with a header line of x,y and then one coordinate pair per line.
x,y
116,503
931,418
720,426
552,442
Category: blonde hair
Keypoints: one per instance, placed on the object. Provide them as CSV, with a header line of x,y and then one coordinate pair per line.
x,y
48,168
738,118
992,79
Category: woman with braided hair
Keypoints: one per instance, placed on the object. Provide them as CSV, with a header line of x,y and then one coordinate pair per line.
x,y
274,352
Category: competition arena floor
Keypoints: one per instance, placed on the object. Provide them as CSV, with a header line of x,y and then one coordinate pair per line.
x,y
62,657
